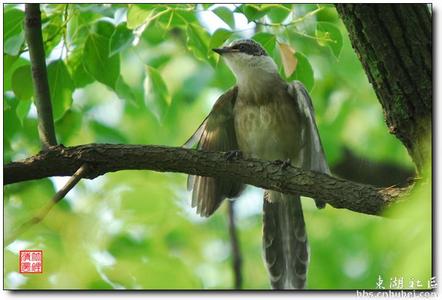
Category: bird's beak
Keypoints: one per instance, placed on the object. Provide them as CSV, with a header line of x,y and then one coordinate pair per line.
x,y
225,50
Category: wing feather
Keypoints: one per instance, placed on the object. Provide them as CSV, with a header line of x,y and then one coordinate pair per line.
x,y
312,153
216,133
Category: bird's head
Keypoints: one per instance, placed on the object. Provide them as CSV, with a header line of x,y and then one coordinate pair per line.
x,y
247,58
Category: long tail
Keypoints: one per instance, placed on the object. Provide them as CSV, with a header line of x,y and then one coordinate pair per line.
x,y
285,241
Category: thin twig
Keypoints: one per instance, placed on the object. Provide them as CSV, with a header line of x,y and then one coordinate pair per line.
x,y
235,248
43,213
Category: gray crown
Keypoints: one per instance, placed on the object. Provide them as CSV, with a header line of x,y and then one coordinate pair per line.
x,y
249,47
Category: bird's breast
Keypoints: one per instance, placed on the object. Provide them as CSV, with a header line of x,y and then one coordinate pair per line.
x,y
267,131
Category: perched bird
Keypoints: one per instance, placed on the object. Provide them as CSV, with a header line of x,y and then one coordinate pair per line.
x,y
264,117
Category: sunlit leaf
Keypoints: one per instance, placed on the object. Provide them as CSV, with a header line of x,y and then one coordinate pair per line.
x,y
289,61
267,40
14,36
97,62
10,64
137,14
100,9
120,39
226,15
176,18
124,91
153,34
304,71
327,34
22,109
61,88
278,13
218,38
52,32
197,42
252,11
157,96
21,82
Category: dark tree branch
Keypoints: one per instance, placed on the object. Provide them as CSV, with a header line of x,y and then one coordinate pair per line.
x,y
235,248
104,158
39,75
379,174
394,44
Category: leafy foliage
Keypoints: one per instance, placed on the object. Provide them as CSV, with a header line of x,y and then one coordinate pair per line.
x,y
145,74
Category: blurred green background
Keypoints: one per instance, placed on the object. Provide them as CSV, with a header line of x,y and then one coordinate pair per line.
x,y
144,74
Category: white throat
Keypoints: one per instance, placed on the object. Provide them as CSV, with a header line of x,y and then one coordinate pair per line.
x,y
253,72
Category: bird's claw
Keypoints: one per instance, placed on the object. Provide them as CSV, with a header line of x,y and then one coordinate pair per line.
x,y
233,154
284,163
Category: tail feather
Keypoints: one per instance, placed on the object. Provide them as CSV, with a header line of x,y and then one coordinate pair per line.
x,y
285,241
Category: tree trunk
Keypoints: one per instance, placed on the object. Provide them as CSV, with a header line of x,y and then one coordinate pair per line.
x,y
394,44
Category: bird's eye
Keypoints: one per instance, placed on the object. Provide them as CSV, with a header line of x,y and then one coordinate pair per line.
x,y
242,47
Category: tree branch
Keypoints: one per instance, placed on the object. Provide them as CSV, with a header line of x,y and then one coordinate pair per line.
x,y
235,249
34,39
104,158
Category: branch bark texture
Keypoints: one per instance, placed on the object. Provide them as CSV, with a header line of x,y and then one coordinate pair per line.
x,y
34,39
104,158
394,44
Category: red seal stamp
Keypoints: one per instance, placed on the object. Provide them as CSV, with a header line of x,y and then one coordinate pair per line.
x,y
31,261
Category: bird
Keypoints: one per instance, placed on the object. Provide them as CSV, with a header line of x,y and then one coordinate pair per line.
x,y
263,117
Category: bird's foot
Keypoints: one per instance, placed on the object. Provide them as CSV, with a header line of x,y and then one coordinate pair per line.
x,y
284,163
234,154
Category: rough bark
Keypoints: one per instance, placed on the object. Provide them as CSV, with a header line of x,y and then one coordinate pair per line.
x,y
104,158
42,97
394,44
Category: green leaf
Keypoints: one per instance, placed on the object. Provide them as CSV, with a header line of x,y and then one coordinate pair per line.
x,y
10,64
61,87
176,18
267,40
153,34
226,15
278,13
22,109
197,42
252,11
157,96
52,29
11,122
14,35
120,39
100,9
21,82
327,34
80,77
68,125
218,38
304,71
124,91
137,14
96,59
206,6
